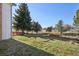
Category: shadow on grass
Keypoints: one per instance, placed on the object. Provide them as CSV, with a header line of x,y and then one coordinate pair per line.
x,y
75,40
16,48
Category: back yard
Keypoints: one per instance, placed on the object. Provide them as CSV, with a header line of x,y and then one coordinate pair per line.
x,y
21,45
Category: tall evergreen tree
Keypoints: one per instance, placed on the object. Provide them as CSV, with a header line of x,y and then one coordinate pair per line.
x,y
59,26
76,18
36,26
76,21
49,29
33,24
22,18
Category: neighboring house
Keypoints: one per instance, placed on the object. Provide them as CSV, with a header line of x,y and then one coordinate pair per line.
x,y
74,31
5,21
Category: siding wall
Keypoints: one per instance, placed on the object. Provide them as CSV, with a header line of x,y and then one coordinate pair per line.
x,y
6,21
0,21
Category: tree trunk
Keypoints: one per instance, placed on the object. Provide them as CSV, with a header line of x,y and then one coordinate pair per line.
x,y
22,32
61,31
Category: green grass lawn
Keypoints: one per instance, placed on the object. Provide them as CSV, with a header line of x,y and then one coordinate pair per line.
x,y
31,46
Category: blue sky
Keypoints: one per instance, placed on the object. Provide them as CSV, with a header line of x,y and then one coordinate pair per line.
x,y
48,14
